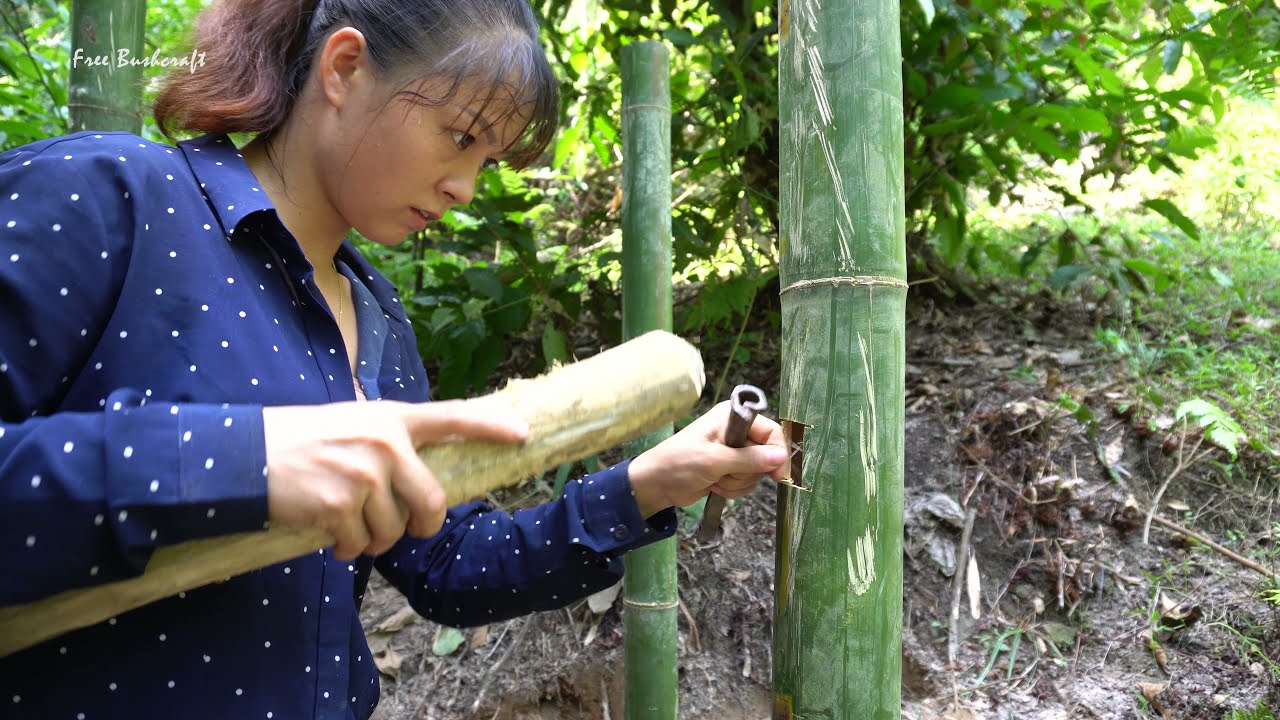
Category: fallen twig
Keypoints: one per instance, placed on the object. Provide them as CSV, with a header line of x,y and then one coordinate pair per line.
x,y
1169,524
493,669
957,586
693,627
1177,470
1115,573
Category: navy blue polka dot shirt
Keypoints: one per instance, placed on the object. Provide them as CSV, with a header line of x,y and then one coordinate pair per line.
x,y
151,303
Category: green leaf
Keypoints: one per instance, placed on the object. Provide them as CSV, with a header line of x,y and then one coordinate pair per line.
x,y
1046,144
1176,97
483,281
1219,104
1173,215
1066,275
916,86
955,97
484,360
1110,80
1146,267
1030,256
1220,428
1223,438
999,91
1072,117
554,349
1222,278
1152,69
1015,17
1180,16
953,126
512,311
448,640
1198,409
1172,56
562,476
926,6
565,145
679,37
950,240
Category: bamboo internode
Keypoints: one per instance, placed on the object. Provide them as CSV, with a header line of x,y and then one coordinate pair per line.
x,y
573,411
650,590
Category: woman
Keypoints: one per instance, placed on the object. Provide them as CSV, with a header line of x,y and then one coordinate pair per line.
x,y
187,345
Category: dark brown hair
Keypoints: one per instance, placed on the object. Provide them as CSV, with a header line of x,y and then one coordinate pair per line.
x,y
258,54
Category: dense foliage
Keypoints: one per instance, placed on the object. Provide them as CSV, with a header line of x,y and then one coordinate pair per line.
x,y
999,97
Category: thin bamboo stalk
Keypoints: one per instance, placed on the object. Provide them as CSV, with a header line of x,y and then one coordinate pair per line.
x,y
654,379
650,593
838,575
106,96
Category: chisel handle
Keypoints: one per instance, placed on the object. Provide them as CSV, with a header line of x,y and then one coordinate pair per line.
x,y
745,403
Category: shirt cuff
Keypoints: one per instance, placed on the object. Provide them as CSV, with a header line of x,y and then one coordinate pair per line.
x,y
611,518
182,472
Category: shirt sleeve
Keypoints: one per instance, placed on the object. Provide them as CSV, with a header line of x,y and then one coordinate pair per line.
x,y
487,565
87,495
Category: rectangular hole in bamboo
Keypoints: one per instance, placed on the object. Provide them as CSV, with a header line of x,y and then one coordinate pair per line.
x,y
793,433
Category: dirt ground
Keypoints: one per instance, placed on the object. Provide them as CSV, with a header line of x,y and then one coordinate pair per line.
x,y
1076,616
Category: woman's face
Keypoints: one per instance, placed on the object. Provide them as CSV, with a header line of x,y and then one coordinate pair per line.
x,y
390,165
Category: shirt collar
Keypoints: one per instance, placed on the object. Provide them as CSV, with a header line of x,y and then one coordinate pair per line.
x,y
228,183
233,192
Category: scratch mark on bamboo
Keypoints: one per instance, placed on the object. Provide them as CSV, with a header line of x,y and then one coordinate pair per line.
x,y
862,568
869,442
808,62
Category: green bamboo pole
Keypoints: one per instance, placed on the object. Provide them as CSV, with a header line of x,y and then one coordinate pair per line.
x,y
838,573
650,593
106,87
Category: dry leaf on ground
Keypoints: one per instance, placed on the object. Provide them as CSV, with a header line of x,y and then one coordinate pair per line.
x,y
1114,451
401,618
1151,691
388,662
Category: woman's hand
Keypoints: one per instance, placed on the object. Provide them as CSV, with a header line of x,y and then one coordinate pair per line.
x,y
695,461
353,469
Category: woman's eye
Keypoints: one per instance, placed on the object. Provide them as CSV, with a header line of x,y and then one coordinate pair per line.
x,y
462,140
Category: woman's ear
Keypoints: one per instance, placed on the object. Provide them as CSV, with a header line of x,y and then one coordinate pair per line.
x,y
344,70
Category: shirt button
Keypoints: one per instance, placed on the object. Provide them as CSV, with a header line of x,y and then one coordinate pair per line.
x,y
620,532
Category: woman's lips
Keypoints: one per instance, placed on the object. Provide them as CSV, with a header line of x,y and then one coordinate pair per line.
x,y
423,218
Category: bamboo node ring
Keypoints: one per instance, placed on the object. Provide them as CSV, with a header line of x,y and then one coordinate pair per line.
x,y
869,280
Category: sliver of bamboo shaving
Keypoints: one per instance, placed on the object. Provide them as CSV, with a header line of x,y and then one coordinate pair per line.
x,y
573,411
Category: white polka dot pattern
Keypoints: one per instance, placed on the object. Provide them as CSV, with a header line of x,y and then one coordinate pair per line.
x,y
151,326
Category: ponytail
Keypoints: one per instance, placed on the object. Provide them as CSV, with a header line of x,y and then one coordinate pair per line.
x,y
251,74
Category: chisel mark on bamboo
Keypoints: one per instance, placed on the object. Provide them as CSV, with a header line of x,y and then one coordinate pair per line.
x,y
867,440
862,564
808,62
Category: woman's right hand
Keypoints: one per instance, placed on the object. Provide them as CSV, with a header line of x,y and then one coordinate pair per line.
x,y
353,469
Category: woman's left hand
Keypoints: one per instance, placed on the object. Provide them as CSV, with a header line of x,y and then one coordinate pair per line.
x,y
686,466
